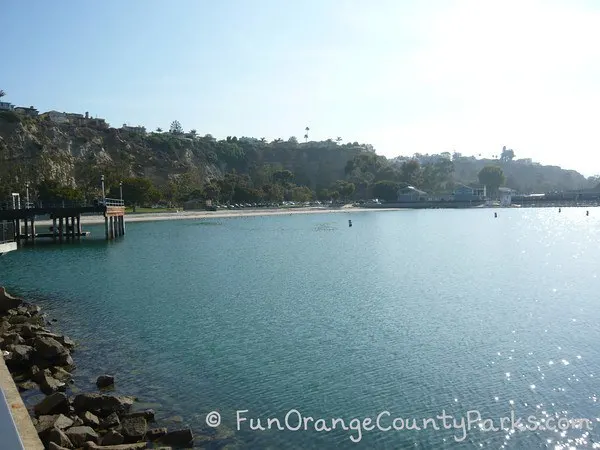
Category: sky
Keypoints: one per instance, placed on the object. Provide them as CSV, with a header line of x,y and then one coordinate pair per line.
x,y
407,77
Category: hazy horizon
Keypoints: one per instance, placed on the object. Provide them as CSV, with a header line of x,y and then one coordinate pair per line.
x,y
462,76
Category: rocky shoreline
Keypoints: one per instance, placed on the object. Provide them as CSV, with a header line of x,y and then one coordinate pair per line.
x,y
37,358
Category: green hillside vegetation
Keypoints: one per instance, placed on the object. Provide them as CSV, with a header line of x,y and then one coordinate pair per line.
x,y
66,161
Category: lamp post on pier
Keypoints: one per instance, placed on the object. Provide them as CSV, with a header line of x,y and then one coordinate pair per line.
x,y
121,189
103,193
27,195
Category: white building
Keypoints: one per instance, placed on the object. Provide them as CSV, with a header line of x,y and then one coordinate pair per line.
x,y
505,196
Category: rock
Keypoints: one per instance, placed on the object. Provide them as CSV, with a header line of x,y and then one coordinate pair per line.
x,y
112,438
137,446
178,438
7,301
12,339
147,414
61,374
110,421
49,385
28,330
19,356
102,405
33,310
59,437
80,435
105,381
18,319
90,419
47,423
155,433
66,362
133,429
53,446
77,422
26,386
49,348
56,403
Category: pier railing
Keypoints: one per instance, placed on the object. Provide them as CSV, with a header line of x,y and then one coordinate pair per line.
x,y
114,202
64,204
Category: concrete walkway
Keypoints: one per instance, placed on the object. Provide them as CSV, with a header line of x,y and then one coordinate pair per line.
x,y
16,428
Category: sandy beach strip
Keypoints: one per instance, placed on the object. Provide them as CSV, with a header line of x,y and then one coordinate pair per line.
x,y
223,214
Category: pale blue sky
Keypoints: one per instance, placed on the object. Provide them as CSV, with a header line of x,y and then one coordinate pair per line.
x,y
428,77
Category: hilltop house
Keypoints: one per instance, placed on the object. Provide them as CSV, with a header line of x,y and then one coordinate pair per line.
x,y
31,111
464,193
138,129
5,106
411,194
56,116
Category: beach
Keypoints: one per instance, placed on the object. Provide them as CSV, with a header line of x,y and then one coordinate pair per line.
x,y
221,214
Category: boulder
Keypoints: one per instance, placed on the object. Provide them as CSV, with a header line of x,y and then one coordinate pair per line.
x,y
59,437
147,414
49,385
56,403
12,338
61,374
133,429
110,421
47,423
102,405
53,446
19,356
80,435
90,419
26,386
137,446
155,433
49,348
112,438
7,301
105,381
178,438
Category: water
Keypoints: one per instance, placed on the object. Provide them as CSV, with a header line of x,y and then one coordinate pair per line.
x,y
410,312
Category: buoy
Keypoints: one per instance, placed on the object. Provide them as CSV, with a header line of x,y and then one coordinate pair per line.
x,y
349,223
559,209
495,214
587,213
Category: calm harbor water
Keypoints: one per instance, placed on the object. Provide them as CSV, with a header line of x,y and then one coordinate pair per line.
x,y
410,312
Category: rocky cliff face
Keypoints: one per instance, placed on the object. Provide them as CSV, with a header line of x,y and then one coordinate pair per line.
x,y
36,150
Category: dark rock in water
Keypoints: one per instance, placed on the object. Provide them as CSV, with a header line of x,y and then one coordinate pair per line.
x,y
47,423
147,414
102,405
105,381
155,433
56,403
112,438
110,421
49,385
90,419
178,438
59,438
133,429
49,348
7,301
80,435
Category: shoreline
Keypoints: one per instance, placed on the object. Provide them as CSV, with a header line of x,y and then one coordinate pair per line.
x,y
69,416
223,214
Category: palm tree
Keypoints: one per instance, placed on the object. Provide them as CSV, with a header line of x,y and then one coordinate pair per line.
x,y
159,130
306,135
263,140
338,139
2,93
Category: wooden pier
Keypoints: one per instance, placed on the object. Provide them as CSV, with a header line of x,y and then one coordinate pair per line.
x,y
66,220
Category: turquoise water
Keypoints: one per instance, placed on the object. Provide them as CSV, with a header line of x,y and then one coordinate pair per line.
x,y
410,312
